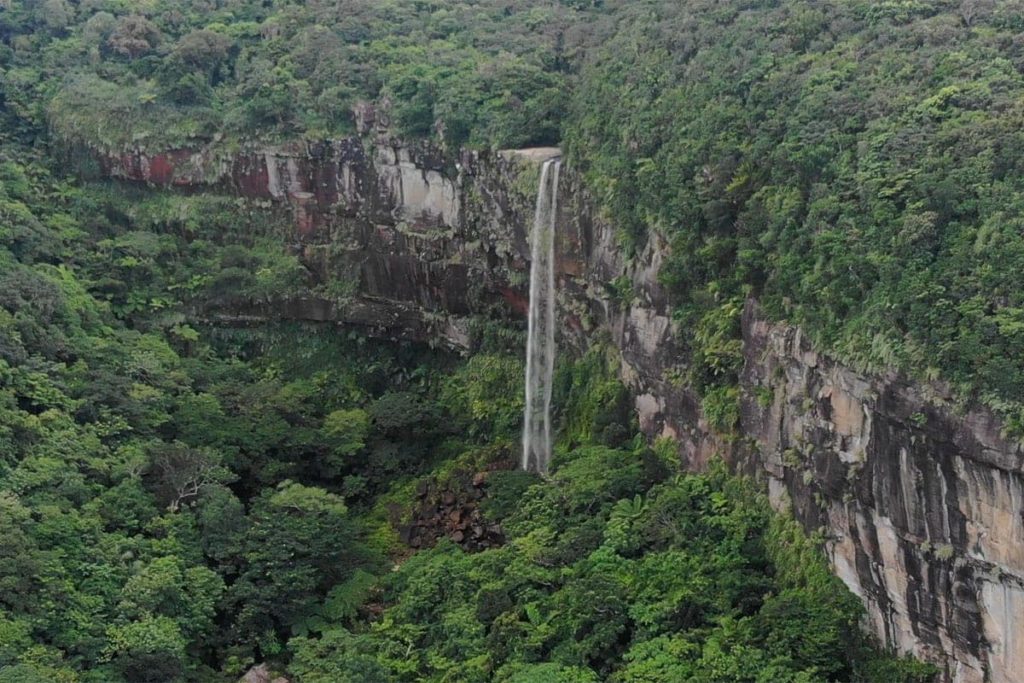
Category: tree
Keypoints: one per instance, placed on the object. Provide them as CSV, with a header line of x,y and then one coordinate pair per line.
x,y
971,10
15,639
33,673
20,557
150,650
166,587
222,523
188,73
178,473
57,14
201,50
346,432
300,544
134,35
96,31
546,673
487,391
411,90
268,95
337,657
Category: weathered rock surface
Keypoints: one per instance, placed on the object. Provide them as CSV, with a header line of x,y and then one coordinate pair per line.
x,y
923,508
261,674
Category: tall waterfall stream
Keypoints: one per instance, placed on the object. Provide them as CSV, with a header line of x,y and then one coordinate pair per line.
x,y
540,343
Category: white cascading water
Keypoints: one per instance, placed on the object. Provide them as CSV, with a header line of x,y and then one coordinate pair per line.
x,y
540,342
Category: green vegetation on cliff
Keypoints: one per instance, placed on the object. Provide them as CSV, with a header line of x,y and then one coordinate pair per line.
x,y
181,499
617,569
854,165
173,497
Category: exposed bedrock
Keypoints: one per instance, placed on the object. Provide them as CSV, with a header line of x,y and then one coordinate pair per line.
x,y
922,507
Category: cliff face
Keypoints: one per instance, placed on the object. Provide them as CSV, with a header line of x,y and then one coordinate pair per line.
x,y
922,508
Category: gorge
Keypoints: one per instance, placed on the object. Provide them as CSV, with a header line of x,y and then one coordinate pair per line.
x,y
511,341
919,505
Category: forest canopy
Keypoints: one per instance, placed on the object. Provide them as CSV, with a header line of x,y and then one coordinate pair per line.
x,y
183,498
852,165
170,74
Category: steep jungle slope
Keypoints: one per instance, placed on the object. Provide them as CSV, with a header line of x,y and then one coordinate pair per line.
x,y
180,499
854,165
187,499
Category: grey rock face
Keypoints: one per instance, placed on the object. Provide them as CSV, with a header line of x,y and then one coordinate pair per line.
x,y
923,508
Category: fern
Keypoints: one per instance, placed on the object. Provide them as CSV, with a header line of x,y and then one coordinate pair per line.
x,y
341,605
345,599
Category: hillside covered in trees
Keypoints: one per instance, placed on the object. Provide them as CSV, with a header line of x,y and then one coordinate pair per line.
x,y
183,498
854,165
851,164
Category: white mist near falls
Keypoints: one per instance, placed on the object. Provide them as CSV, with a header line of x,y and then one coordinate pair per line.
x,y
540,342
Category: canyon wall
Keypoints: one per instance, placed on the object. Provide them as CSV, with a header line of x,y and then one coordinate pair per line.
x,y
922,508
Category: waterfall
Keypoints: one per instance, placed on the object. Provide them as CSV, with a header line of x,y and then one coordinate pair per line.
x,y
540,342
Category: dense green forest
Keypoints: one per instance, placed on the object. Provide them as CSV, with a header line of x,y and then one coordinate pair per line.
x,y
854,165
168,74
181,499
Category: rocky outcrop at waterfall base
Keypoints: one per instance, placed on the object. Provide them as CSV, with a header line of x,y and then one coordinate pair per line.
x,y
451,510
261,674
921,506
